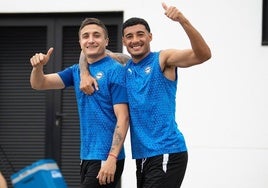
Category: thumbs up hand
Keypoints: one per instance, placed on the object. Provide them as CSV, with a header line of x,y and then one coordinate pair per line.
x,y
172,12
40,58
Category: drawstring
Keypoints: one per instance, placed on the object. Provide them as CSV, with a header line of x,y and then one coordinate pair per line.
x,y
165,162
142,163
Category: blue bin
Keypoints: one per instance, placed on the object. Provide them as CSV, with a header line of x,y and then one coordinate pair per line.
x,y
44,173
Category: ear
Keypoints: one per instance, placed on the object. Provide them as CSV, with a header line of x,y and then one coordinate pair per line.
x,y
107,42
80,44
123,41
151,36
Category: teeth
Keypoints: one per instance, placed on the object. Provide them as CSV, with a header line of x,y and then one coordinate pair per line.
x,y
136,47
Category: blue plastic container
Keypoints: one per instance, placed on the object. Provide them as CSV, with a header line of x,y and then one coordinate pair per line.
x,y
44,173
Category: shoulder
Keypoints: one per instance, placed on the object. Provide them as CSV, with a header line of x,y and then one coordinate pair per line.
x,y
69,71
114,64
152,56
71,68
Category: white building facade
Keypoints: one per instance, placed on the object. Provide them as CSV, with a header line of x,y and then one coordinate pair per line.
x,y
222,104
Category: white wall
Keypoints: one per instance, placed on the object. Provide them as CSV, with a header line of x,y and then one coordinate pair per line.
x,y
221,105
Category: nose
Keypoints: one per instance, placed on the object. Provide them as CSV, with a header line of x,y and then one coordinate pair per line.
x,y
90,39
135,38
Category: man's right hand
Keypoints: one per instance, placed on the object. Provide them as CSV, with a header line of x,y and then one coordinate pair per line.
x,y
40,58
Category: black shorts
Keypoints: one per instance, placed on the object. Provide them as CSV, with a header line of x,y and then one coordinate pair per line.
x,y
90,169
162,171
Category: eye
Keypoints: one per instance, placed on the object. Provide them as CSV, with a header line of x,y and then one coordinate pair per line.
x,y
140,34
97,35
85,36
129,36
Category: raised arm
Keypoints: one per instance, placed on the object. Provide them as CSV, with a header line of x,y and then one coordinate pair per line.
x,y
38,79
200,51
107,171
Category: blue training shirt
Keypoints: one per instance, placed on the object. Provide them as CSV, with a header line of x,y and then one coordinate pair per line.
x,y
97,118
152,102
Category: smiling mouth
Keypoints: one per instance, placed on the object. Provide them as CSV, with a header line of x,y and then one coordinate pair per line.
x,y
90,47
136,47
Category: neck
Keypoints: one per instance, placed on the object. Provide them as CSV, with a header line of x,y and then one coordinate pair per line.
x,y
138,58
94,58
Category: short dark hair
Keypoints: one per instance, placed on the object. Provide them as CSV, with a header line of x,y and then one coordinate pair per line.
x,y
89,21
135,21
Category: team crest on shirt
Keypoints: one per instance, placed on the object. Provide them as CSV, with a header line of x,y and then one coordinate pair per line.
x,y
148,70
129,70
99,75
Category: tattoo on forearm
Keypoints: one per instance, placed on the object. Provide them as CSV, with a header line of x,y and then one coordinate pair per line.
x,y
123,58
117,139
83,65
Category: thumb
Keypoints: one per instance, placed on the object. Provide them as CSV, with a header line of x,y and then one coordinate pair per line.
x,y
95,83
46,58
49,52
164,6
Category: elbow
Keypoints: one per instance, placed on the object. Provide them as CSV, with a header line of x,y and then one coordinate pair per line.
x,y
127,120
35,86
208,55
205,56
32,85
